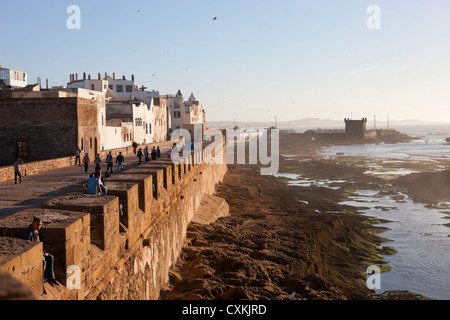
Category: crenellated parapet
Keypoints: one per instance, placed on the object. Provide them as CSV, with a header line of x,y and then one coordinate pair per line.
x,y
118,246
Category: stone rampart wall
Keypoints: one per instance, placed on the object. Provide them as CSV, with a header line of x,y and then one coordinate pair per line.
x,y
118,246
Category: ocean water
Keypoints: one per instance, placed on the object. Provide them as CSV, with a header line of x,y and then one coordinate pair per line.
x,y
422,240
430,145
419,234
422,263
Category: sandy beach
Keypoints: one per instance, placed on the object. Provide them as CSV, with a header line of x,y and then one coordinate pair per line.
x,y
293,242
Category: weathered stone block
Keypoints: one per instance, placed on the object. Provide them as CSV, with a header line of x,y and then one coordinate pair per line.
x,y
157,176
23,260
61,232
13,289
167,173
211,208
144,182
101,209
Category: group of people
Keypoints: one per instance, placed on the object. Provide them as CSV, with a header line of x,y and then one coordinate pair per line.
x,y
109,162
154,153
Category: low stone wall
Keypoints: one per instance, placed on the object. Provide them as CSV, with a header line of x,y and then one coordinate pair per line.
x,y
118,246
37,167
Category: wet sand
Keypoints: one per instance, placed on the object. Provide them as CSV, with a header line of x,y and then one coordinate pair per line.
x,y
295,242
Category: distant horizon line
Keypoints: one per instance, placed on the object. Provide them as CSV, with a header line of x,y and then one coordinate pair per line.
x,y
325,121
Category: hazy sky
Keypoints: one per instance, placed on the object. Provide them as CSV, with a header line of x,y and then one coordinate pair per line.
x,y
260,59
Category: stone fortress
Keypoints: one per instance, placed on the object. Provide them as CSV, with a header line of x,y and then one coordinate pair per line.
x,y
118,246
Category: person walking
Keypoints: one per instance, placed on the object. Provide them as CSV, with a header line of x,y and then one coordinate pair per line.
x,y
17,170
97,160
154,155
146,154
109,162
140,155
158,152
86,161
78,156
119,160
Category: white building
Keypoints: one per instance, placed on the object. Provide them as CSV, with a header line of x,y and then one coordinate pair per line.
x,y
120,91
123,111
13,78
185,114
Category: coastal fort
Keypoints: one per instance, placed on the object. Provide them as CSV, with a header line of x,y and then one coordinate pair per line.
x,y
120,245
124,245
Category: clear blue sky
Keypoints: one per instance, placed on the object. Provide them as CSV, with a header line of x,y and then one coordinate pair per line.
x,y
260,59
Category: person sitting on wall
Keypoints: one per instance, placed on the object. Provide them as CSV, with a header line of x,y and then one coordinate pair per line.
x,y
92,185
32,234
102,178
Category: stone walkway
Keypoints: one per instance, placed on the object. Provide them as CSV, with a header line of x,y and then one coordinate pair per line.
x,y
37,189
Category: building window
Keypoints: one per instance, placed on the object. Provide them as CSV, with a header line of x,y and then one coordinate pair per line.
x,y
119,88
177,114
90,143
150,128
82,144
4,74
22,149
129,88
187,109
92,87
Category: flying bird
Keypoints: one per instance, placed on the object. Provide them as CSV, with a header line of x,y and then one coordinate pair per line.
x,y
215,18
138,11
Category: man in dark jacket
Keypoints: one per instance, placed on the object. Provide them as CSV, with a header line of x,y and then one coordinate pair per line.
x,y
32,234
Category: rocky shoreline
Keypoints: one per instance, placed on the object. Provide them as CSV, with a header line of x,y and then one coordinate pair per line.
x,y
293,242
